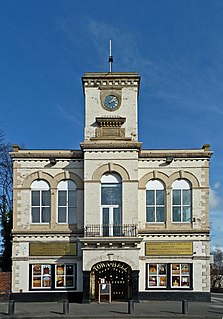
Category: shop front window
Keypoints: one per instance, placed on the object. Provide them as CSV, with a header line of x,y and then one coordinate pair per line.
x,y
180,275
64,276
157,275
41,276
169,276
53,276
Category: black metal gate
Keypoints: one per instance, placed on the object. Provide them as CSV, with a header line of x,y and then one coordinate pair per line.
x,y
118,274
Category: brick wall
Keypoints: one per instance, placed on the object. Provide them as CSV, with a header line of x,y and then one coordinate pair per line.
x,y
5,284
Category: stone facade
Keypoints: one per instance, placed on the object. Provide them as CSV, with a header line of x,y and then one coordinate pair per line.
x,y
118,235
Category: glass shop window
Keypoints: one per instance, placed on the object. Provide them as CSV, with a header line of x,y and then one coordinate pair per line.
x,y
180,275
64,276
41,276
157,275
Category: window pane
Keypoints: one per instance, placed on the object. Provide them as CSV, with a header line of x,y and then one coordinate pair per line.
x,y
162,269
46,281
111,195
185,270
36,282
59,281
153,269
117,216
46,198
105,216
176,269
35,215
37,269
152,281
62,198
69,269
186,197
176,197
150,214
69,281
72,198
150,197
175,281
46,214
176,214
72,215
186,214
35,198
160,214
60,270
61,214
160,197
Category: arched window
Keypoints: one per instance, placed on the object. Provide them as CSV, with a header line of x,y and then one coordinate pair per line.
x,y
181,201
40,202
67,202
155,202
111,203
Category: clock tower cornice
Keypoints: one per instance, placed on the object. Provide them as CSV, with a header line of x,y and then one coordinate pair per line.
x,y
110,80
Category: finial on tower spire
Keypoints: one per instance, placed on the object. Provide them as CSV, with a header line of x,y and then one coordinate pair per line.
x,y
110,60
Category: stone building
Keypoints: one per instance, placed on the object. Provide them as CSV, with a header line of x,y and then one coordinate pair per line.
x,y
111,212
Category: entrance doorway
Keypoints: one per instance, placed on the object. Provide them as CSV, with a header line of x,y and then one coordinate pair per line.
x,y
117,273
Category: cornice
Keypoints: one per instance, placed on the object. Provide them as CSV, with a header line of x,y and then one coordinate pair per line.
x,y
175,154
42,154
174,232
115,145
108,80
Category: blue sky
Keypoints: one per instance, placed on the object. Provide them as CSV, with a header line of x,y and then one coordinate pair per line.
x,y
175,45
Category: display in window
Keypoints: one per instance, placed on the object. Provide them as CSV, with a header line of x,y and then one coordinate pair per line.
x,y
60,270
37,282
152,281
157,275
152,269
180,275
176,269
175,281
36,269
46,270
185,269
60,281
41,276
185,281
162,281
70,282
46,281
162,269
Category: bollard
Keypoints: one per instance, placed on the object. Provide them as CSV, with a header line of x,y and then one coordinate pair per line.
x,y
130,306
65,307
184,307
11,307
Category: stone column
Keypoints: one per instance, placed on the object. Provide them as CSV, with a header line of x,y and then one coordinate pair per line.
x,y
86,287
135,285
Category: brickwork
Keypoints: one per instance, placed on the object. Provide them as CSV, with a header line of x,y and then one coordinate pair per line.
x,y
5,284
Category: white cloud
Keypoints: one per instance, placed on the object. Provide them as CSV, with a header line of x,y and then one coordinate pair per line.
x,y
69,116
215,201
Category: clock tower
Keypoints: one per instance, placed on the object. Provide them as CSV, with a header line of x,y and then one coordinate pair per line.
x,y
111,106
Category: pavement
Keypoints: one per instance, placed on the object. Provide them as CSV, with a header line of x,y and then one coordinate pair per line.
x,y
117,310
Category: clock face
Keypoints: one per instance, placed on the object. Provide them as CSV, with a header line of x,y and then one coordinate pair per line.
x,y
111,102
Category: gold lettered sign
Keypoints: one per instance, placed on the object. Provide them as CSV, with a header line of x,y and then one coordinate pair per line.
x,y
169,248
53,249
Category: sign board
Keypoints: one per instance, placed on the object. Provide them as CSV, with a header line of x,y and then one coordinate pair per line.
x,y
169,248
53,249
104,290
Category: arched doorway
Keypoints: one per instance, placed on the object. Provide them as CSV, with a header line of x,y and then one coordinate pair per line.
x,y
118,274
